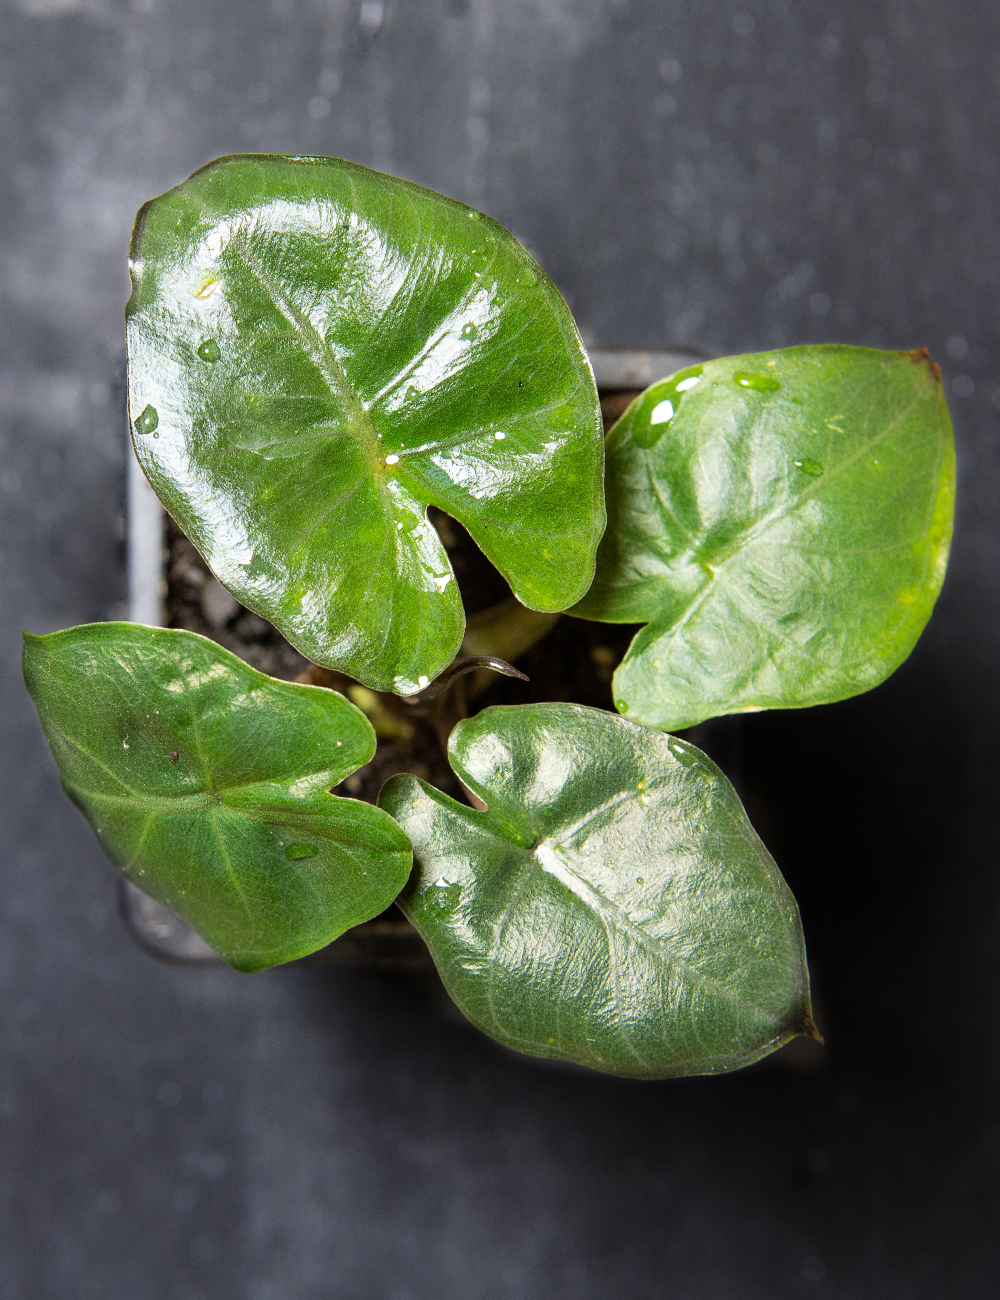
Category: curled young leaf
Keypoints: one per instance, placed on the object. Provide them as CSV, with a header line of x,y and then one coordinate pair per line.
x,y
613,906
781,522
207,785
317,352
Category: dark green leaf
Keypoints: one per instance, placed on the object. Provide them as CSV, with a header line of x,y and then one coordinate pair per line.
x,y
207,785
613,906
781,521
316,353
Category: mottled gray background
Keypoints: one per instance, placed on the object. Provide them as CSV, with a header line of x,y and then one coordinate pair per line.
x,y
727,174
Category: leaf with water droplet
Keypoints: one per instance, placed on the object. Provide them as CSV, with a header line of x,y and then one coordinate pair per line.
x,y
208,784
643,937
445,896
762,544
299,852
685,754
283,448
660,403
758,383
147,420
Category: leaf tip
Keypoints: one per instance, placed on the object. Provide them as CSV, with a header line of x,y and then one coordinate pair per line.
x,y
806,1027
921,357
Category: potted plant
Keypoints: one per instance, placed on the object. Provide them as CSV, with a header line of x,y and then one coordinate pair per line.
x,y
320,355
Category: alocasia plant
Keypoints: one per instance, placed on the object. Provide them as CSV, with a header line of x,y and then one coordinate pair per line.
x,y
317,355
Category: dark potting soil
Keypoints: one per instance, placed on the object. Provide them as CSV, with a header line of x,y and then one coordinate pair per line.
x,y
574,661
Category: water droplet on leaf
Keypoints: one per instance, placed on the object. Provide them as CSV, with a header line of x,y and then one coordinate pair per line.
x,y
209,350
147,421
759,383
410,394
660,406
686,755
297,852
446,895
470,331
811,467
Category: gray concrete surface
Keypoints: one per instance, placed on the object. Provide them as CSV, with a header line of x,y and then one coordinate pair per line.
x,y
723,174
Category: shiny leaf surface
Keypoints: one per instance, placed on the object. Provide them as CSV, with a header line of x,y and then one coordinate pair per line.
x,y
317,352
612,907
206,784
781,522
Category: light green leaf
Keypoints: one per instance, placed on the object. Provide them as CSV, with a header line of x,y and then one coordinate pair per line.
x,y
317,352
781,521
612,907
207,785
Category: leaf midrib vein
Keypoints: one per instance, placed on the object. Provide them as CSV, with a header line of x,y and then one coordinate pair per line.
x,y
314,343
759,532
326,360
174,803
587,894
603,906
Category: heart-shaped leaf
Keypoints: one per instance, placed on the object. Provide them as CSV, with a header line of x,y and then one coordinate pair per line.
x,y
612,907
206,783
781,522
317,352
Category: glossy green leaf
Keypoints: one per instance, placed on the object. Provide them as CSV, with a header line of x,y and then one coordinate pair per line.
x,y
612,907
207,785
316,353
781,522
